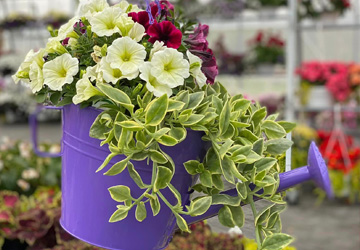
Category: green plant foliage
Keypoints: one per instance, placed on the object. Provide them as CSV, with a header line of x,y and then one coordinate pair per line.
x,y
245,148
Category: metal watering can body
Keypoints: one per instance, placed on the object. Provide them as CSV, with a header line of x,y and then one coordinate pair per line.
x,y
86,202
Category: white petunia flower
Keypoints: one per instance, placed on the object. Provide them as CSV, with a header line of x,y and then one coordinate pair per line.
x,y
158,46
92,72
151,83
126,7
88,8
195,69
114,75
107,22
137,32
170,67
126,54
84,91
54,46
65,29
125,24
24,69
36,77
60,71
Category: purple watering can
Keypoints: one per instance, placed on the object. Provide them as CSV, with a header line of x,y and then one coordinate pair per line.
x,y
86,202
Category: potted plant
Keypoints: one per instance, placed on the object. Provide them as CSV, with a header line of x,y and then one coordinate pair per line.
x,y
141,84
326,10
267,50
323,82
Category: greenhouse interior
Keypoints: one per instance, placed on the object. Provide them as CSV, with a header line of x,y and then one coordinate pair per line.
x,y
180,124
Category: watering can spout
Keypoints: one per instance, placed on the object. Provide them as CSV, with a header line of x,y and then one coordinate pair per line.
x,y
316,170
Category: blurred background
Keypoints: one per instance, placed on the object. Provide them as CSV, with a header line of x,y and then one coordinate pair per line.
x,y
300,58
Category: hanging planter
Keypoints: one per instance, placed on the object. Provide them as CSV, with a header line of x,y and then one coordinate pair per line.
x,y
140,106
317,98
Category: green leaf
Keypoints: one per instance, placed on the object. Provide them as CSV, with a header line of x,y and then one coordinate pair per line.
x,y
242,190
117,96
175,105
241,105
99,130
229,166
226,167
277,242
278,146
158,134
225,217
119,214
240,124
238,215
258,116
163,178
135,176
217,181
205,179
183,97
224,199
225,147
155,205
181,223
262,216
117,168
158,157
54,98
224,121
265,164
155,112
140,213
40,97
192,120
106,162
120,193
272,220
288,126
200,205
131,125
195,99
273,130
213,162
179,133
167,140
218,104
192,167
175,192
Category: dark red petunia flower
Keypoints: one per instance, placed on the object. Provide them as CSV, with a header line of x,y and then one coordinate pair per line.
x,y
165,32
209,65
142,18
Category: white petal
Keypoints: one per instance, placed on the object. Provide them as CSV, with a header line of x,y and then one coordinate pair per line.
x,y
36,77
105,23
137,32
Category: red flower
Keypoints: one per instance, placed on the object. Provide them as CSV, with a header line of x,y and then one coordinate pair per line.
x,y
198,40
165,32
142,18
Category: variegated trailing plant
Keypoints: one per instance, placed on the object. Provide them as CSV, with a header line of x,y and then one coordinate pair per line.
x,y
152,74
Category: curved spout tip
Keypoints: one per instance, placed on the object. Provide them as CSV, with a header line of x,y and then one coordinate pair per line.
x,y
318,170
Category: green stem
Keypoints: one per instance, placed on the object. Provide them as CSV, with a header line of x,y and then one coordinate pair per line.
x,y
166,201
153,174
140,198
253,209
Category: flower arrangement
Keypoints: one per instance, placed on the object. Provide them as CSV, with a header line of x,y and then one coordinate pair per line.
x,y
152,75
316,8
267,48
333,75
344,173
21,170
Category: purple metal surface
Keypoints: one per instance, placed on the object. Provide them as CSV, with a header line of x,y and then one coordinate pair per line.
x,y
87,205
34,132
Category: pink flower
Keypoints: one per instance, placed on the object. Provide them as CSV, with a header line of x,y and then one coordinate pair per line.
x,y
165,6
10,200
165,32
142,18
198,40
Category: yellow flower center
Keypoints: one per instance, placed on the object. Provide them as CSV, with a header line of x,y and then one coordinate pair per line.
x,y
117,73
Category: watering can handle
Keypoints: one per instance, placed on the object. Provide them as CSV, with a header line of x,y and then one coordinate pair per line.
x,y
34,131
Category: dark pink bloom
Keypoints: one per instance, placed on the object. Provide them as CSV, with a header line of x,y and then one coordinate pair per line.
x,y
81,27
142,18
198,40
209,65
65,42
165,32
